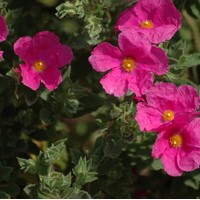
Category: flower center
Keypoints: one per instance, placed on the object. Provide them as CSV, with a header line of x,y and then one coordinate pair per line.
x,y
168,115
176,141
39,66
147,24
128,64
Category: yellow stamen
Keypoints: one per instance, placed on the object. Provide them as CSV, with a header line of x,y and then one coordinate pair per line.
x,y
147,24
39,66
176,141
128,64
168,115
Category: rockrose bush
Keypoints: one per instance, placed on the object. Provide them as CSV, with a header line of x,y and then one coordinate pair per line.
x,y
99,99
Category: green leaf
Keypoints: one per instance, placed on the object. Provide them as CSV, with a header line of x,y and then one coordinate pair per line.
x,y
157,165
44,95
192,183
4,195
27,165
69,193
32,191
55,151
97,151
114,148
93,26
57,180
197,177
75,155
83,172
43,165
71,9
187,61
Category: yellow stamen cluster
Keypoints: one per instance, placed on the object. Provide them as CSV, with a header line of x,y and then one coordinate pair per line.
x,y
176,141
39,66
128,64
147,24
168,115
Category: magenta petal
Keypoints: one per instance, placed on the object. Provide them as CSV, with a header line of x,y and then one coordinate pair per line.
x,y
30,78
148,118
126,19
188,98
188,159
64,55
104,57
44,40
23,48
3,28
163,14
161,144
140,82
159,34
193,133
163,95
156,61
132,44
51,78
115,82
169,160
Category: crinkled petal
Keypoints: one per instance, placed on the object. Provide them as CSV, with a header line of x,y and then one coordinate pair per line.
x,y
162,96
23,48
64,55
193,133
45,47
115,82
133,45
159,34
161,144
165,23
148,118
30,78
51,78
162,17
187,98
3,28
169,160
44,40
156,61
140,82
104,57
126,19
188,159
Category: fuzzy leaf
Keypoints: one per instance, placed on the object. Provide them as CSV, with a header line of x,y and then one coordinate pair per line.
x,y
83,172
27,165
57,180
157,165
55,151
188,61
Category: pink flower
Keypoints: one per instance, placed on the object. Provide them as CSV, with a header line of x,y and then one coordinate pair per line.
x,y
43,56
179,147
158,20
165,103
3,32
131,65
